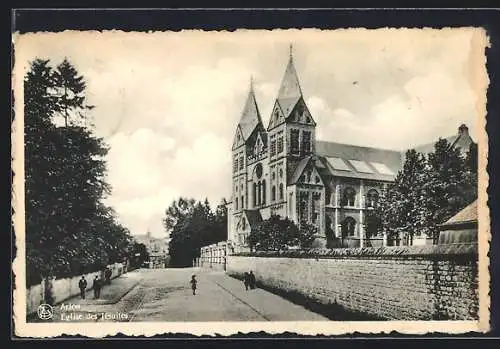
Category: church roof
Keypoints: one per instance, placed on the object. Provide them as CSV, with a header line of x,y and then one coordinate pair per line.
x,y
467,215
345,160
254,218
250,117
462,141
290,92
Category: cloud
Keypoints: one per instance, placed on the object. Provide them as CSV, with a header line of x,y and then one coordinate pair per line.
x,y
168,103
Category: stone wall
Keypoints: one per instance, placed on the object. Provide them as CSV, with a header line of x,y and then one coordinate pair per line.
x,y
393,283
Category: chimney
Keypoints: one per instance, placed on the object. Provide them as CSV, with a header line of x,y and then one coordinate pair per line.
x,y
463,130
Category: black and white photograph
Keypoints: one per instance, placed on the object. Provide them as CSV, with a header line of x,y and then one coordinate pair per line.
x,y
310,181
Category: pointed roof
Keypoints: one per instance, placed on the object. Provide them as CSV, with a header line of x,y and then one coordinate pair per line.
x,y
250,117
289,92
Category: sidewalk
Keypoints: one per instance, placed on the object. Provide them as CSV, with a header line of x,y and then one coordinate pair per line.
x,y
268,305
110,294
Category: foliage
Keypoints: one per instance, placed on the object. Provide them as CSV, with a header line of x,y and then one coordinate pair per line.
x,y
138,255
280,234
428,191
68,229
192,225
450,185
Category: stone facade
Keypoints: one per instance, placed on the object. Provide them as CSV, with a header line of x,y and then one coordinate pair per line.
x,y
284,170
395,283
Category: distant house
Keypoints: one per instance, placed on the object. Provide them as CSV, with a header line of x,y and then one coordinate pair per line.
x,y
157,249
461,141
461,228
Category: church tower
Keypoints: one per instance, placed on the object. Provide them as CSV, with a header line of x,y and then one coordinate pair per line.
x,y
292,134
249,145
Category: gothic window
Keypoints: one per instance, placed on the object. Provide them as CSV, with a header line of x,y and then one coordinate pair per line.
x,y
281,173
348,227
372,198
294,141
303,207
316,208
273,175
235,165
259,193
242,202
273,147
273,193
280,145
236,203
306,141
281,191
276,115
258,170
254,194
308,176
264,192
349,197
243,223
290,204
317,180
241,163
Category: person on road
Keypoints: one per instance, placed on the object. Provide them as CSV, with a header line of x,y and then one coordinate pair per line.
x,y
108,274
97,287
246,280
82,285
251,277
193,284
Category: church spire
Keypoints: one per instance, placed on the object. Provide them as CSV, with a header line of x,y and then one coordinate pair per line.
x,y
250,117
290,91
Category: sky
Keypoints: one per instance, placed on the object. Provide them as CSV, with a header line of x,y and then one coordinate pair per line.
x,y
168,103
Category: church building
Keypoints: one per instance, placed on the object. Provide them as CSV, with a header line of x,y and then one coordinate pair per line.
x,y
282,169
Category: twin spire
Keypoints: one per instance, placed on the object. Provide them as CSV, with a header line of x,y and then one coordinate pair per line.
x,y
288,96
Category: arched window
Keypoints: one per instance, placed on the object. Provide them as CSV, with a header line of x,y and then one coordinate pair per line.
x,y
349,197
259,193
281,191
263,192
348,227
236,203
254,194
242,202
273,193
372,198
290,204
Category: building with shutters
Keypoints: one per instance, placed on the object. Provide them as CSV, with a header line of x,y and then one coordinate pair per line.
x,y
282,169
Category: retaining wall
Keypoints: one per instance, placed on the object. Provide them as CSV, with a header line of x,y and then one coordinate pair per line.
x,y
394,283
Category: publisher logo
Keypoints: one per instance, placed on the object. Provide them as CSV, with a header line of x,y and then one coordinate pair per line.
x,y
45,312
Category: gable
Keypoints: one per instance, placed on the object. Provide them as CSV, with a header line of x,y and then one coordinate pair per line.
x,y
301,114
307,173
277,117
239,140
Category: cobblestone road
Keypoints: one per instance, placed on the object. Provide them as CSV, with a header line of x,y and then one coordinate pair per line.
x,y
165,295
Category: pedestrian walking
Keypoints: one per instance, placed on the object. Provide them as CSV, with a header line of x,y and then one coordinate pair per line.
x,y
82,285
246,280
108,274
193,284
251,277
97,287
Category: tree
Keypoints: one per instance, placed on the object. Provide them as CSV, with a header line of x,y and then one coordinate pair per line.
x,y
192,225
275,234
450,185
138,255
307,234
68,229
70,89
399,208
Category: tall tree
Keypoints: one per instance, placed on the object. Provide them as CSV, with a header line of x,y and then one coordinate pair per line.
x,y
449,186
400,206
68,229
70,88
